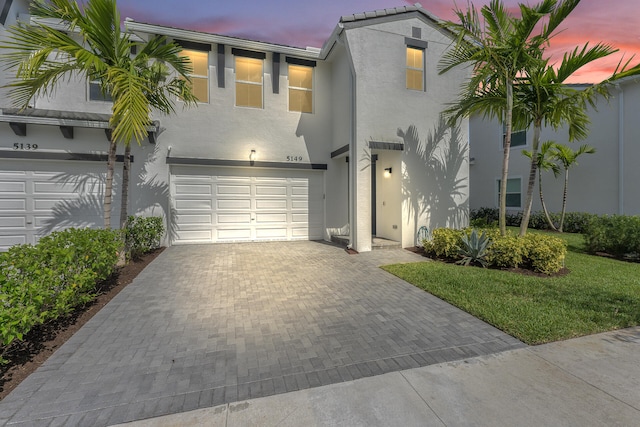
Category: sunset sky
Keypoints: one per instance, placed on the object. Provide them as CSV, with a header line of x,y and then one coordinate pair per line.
x,y
309,23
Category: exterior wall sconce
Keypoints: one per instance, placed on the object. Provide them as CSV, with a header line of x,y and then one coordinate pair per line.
x,y
252,156
387,172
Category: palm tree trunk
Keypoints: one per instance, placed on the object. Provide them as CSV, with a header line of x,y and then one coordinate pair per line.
x,y
502,219
544,206
532,178
108,188
126,170
564,198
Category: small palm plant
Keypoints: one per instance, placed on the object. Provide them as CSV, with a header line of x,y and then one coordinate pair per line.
x,y
474,249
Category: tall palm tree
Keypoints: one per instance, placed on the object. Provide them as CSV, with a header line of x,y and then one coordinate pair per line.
x,y
543,99
568,158
544,162
43,55
500,49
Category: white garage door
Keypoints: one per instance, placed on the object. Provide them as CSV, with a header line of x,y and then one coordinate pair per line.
x,y
37,197
246,204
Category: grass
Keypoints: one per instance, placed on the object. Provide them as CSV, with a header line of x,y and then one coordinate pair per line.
x,y
599,294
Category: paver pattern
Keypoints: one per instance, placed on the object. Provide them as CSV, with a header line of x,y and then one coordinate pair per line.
x,y
205,325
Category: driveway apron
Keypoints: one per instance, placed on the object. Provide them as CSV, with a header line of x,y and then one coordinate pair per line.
x,y
204,325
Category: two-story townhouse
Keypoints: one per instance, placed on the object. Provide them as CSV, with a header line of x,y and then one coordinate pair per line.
x,y
286,143
602,183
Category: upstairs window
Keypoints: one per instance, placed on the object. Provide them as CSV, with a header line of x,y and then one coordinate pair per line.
x,y
200,73
518,137
300,88
249,82
96,94
415,68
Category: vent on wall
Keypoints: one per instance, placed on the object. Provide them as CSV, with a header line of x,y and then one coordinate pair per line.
x,y
416,32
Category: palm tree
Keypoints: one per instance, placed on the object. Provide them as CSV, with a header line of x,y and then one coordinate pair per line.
x,y
43,55
542,98
568,158
500,49
543,163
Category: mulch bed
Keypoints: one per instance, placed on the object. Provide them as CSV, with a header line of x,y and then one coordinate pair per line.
x,y
526,272
42,341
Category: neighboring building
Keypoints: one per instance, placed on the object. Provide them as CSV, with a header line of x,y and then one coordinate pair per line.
x,y
286,143
604,182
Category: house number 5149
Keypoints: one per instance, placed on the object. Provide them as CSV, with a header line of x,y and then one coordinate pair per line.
x,y
294,158
21,146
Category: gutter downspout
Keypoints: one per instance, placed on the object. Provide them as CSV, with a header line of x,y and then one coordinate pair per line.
x,y
353,235
620,150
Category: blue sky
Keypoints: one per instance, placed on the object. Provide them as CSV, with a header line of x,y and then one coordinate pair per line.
x,y
309,22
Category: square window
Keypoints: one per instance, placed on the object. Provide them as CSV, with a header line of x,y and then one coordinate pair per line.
x,y
96,94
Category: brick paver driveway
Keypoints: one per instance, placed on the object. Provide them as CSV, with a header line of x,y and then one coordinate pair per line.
x,y
208,324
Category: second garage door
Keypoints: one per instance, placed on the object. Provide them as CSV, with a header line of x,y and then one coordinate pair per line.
x,y
246,204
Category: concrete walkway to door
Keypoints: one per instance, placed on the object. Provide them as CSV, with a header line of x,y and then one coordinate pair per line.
x,y
205,325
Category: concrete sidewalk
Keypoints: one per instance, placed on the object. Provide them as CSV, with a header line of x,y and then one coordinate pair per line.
x,y
588,381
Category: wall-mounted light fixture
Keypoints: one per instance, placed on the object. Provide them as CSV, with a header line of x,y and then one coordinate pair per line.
x,y
252,156
387,172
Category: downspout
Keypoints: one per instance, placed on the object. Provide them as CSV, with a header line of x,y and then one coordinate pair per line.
x,y
620,150
353,235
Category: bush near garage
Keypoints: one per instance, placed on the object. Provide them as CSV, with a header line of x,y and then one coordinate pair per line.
x,y
48,280
142,235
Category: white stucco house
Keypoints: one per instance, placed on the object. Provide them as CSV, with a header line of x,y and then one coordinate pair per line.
x,y
605,182
286,143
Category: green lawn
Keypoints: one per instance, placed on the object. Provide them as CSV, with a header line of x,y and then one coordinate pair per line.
x,y
597,295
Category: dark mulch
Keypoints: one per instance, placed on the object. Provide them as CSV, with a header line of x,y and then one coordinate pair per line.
x,y
524,271
42,341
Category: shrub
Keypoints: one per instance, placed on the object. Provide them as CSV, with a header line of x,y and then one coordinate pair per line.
x,y
50,279
617,235
506,251
473,248
543,253
486,215
142,234
444,243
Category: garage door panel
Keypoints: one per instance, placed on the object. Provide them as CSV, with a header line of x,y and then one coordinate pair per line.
x,y
7,205
271,233
194,204
234,219
13,187
233,204
193,189
299,218
194,219
271,190
233,234
6,241
265,218
262,204
13,222
240,190
202,236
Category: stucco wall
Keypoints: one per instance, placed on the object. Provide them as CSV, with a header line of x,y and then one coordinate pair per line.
x,y
386,111
593,183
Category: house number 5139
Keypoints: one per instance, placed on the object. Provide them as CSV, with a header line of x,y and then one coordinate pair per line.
x,y
21,146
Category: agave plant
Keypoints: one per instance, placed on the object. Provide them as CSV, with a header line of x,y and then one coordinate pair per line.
x,y
474,248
